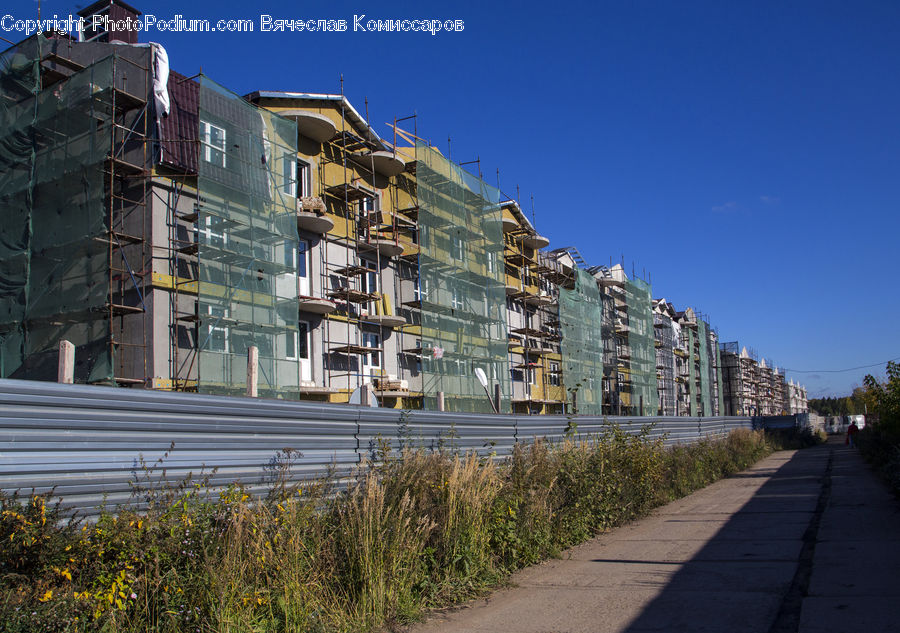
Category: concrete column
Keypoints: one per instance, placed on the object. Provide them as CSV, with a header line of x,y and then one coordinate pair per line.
x,y
365,395
252,371
65,372
440,400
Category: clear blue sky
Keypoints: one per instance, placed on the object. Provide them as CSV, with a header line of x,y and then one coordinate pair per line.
x,y
747,155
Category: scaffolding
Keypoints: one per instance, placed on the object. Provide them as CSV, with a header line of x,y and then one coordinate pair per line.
x,y
362,203
703,367
665,363
582,350
74,158
463,297
641,347
247,245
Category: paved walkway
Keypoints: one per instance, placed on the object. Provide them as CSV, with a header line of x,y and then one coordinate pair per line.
x,y
805,540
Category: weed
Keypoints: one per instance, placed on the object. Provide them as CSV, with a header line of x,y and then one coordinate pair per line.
x,y
413,530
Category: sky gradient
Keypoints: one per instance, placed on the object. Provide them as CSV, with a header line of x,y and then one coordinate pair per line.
x,y
745,155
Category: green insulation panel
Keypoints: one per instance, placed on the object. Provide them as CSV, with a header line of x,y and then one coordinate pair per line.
x,y
461,286
54,268
247,246
641,347
582,345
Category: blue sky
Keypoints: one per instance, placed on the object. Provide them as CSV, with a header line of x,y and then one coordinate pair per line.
x,y
746,155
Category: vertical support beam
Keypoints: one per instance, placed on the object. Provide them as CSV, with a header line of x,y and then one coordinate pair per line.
x,y
65,372
497,397
365,395
252,371
440,400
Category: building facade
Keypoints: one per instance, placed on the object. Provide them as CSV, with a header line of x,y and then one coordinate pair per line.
x,y
174,226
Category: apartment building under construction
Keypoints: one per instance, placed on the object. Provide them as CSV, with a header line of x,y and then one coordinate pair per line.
x,y
166,226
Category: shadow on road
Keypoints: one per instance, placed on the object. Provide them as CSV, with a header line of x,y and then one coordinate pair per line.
x,y
746,575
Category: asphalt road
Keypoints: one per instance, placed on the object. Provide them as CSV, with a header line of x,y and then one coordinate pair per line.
x,y
803,541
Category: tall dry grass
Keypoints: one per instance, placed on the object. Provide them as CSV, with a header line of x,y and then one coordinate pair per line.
x,y
417,530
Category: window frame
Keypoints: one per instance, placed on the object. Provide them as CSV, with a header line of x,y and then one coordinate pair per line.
x,y
206,143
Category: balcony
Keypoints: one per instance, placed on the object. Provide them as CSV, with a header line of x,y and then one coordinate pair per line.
x,y
384,163
539,300
351,295
384,246
311,215
537,351
509,225
384,320
312,125
535,241
315,305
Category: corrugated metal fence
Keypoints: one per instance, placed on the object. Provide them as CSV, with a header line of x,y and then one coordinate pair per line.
x,y
92,443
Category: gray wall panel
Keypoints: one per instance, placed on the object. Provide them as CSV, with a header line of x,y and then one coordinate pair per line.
x,y
87,441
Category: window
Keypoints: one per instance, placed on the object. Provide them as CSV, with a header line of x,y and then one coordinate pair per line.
x,y
368,205
529,374
214,231
89,33
296,177
553,374
456,299
302,258
457,248
291,343
421,290
303,336
369,280
372,340
296,344
516,375
491,263
212,139
289,173
217,334
304,179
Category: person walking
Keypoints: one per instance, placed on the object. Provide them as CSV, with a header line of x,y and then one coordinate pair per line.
x,y
852,430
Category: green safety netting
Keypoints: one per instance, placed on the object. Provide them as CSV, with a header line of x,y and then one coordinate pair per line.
x,y
719,385
461,285
705,383
582,347
54,268
247,246
665,363
641,347
692,371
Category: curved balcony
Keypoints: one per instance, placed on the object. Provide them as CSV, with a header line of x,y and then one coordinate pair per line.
x,y
385,163
314,221
384,320
381,245
315,305
536,241
312,125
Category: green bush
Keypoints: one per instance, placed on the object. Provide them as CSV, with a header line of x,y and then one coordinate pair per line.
x,y
793,439
879,442
417,530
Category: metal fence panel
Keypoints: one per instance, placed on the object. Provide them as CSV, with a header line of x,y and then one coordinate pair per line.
x,y
92,444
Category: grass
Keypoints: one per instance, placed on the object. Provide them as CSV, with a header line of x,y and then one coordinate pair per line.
x,y
416,531
880,446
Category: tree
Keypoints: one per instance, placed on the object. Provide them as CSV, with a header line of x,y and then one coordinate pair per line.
x,y
886,396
